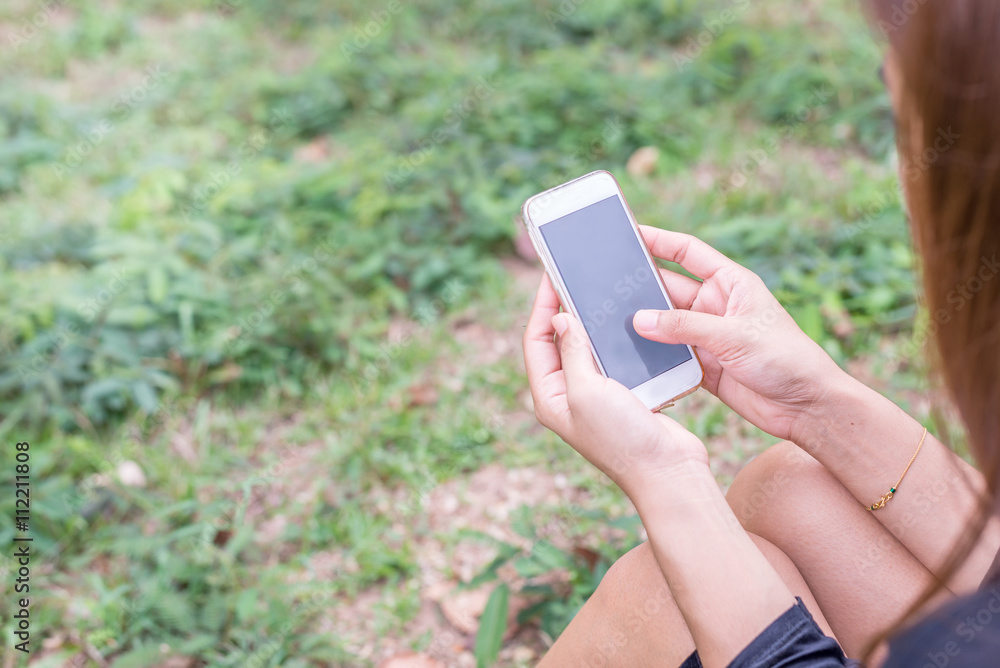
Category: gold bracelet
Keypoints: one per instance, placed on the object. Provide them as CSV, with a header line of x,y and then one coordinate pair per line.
x,y
892,490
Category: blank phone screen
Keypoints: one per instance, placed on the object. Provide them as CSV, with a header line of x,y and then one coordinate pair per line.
x,y
608,278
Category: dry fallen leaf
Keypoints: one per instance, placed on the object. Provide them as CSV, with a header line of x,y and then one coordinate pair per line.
x,y
523,247
463,608
315,151
643,161
130,474
410,660
183,444
421,394
176,662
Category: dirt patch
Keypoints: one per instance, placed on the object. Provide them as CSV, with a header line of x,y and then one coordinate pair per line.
x,y
484,502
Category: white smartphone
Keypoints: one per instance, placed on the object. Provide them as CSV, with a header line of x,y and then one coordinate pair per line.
x,y
596,258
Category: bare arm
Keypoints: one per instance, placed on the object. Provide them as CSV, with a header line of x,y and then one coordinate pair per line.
x,y
866,441
723,585
761,364
725,588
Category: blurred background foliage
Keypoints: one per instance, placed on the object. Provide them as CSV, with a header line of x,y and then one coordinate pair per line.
x,y
217,216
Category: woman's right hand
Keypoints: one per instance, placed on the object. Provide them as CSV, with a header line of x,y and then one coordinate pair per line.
x,y
756,358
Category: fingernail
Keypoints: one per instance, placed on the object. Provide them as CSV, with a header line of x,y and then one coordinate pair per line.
x,y
559,322
644,321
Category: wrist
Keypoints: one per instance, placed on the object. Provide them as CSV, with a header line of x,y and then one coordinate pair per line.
x,y
839,397
675,485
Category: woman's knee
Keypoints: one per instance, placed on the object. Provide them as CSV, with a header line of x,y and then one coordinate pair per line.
x,y
634,574
775,481
764,495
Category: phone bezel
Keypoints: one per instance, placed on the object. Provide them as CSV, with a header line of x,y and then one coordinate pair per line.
x,y
554,203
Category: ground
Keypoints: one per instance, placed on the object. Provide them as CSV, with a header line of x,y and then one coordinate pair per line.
x,y
272,377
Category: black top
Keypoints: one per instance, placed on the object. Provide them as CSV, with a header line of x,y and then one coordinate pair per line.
x,y
965,633
793,640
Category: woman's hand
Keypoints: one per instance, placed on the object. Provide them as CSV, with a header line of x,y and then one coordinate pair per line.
x,y
756,359
722,584
598,416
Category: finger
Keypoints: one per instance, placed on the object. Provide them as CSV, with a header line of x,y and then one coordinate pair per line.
x,y
541,357
574,350
690,252
682,289
693,328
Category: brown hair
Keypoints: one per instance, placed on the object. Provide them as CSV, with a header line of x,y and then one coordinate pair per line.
x,y
947,57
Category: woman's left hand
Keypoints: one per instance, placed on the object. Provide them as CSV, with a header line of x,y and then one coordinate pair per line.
x,y
598,416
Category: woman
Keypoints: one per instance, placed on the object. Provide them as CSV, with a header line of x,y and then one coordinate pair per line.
x,y
861,527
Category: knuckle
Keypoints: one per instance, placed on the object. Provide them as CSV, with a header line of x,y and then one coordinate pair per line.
x,y
676,322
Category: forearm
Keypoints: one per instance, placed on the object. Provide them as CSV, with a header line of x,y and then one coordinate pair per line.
x,y
725,588
865,440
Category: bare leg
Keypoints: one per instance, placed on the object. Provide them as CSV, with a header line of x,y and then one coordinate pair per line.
x,y
853,575
631,620
863,578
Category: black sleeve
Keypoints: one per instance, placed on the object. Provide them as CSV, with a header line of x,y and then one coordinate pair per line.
x,y
963,633
793,640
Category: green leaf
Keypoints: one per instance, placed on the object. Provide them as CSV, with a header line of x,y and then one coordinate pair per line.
x,y
246,605
523,523
143,655
492,626
136,316
158,283
527,567
810,319
550,556
528,613
145,396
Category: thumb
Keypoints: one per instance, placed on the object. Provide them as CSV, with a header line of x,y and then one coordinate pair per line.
x,y
693,328
574,350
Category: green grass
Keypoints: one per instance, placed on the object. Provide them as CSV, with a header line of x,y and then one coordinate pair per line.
x,y
261,255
